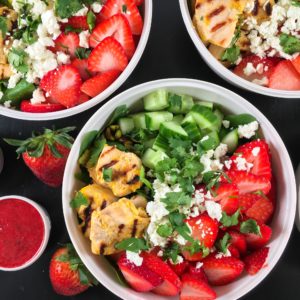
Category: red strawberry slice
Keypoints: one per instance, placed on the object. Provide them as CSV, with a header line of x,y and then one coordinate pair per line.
x,y
296,63
273,192
205,230
77,22
197,272
258,154
248,182
67,42
108,55
82,66
138,2
261,210
126,7
227,194
195,289
224,270
285,77
247,200
238,240
27,106
140,278
171,283
63,85
234,251
256,260
83,98
118,27
97,84
180,268
255,241
263,67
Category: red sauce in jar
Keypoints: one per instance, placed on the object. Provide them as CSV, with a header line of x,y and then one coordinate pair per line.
x,y
21,232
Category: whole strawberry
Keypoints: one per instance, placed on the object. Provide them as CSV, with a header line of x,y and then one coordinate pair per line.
x,y
46,154
68,275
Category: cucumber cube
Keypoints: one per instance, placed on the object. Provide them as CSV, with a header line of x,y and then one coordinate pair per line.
x,y
242,119
154,119
139,120
172,129
210,141
157,100
231,139
204,117
126,125
151,158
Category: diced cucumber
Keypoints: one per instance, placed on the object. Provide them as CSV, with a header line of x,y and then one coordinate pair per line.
x,y
206,104
220,117
161,143
178,119
126,125
222,132
231,139
171,129
192,130
242,119
188,119
210,141
180,103
154,119
149,143
151,158
157,100
204,117
139,120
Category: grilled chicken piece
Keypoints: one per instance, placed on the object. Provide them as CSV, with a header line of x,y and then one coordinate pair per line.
x,y
98,197
261,10
139,201
118,221
125,167
216,20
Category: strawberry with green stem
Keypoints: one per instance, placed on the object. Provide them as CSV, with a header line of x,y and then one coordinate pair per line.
x,y
46,154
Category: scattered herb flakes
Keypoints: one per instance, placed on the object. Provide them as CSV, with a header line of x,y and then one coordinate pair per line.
x,y
91,20
250,226
144,180
3,26
17,58
82,53
289,43
223,243
66,8
171,252
133,245
107,174
165,230
228,221
79,200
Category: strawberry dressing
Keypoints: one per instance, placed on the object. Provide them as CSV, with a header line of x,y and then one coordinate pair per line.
x,y
22,232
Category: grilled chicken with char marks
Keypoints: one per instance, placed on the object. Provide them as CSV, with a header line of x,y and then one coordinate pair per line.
x,y
118,221
125,167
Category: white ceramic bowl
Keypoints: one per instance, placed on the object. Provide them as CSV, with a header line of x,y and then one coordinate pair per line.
x,y
222,71
47,226
147,17
282,167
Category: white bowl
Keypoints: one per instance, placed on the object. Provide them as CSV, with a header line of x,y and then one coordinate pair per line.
x,y
282,167
147,17
47,226
222,71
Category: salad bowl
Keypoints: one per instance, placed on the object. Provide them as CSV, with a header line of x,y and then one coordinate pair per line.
x,y
283,219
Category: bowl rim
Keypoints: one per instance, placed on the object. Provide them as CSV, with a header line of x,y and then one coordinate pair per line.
x,y
16,114
167,83
221,70
47,227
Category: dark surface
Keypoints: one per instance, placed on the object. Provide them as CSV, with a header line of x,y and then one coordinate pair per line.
x,y
169,53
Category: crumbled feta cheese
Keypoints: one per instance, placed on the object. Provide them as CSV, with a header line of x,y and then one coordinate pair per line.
x,y
51,23
96,7
179,260
242,164
82,12
38,97
62,58
263,82
198,197
227,164
199,264
160,253
247,130
221,254
205,159
226,123
13,80
221,151
249,69
194,212
180,240
214,209
216,165
154,237
135,258
38,8
255,151
260,68
84,39
7,104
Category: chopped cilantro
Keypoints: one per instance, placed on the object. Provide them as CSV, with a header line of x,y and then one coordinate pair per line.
x,y
82,53
124,8
17,58
95,152
66,8
196,247
250,226
79,200
295,3
107,174
132,244
289,43
223,243
172,252
3,26
119,112
175,199
91,20
232,53
144,180
165,230
228,221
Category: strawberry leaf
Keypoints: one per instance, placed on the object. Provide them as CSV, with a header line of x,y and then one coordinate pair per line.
x,y
13,142
83,277
54,150
38,152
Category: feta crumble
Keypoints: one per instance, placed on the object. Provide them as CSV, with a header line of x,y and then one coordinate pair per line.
x,y
199,264
247,130
1,95
96,7
255,151
135,258
179,260
82,12
214,209
219,255
228,164
38,97
13,80
249,69
242,164
226,123
7,104
84,39
221,151
63,58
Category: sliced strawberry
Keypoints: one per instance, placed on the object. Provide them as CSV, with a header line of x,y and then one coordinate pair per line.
x,y
138,2
97,84
67,42
83,98
256,241
205,230
227,194
248,182
256,260
261,210
238,240
296,63
82,66
126,7
108,55
258,154
273,192
27,106
220,271
171,283
118,27
78,22
140,278
247,200
195,289
197,272
263,67
285,77
63,85
179,268
234,251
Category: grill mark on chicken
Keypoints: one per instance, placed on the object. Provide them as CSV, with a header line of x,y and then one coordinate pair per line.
x,y
117,175
103,205
216,12
134,180
218,26
112,163
268,8
102,248
87,215
107,151
134,227
121,226
255,8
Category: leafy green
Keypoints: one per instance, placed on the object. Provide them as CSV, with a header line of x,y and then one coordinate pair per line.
x,y
196,247
91,20
79,200
132,244
171,252
233,52
82,53
95,152
66,8
87,140
295,3
250,226
119,112
223,243
144,180
3,26
228,221
165,230
17,58
107,174
289,43
29,35
175,199
83,175
69,28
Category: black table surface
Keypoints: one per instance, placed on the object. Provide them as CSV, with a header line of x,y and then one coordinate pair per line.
x,y
169,53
